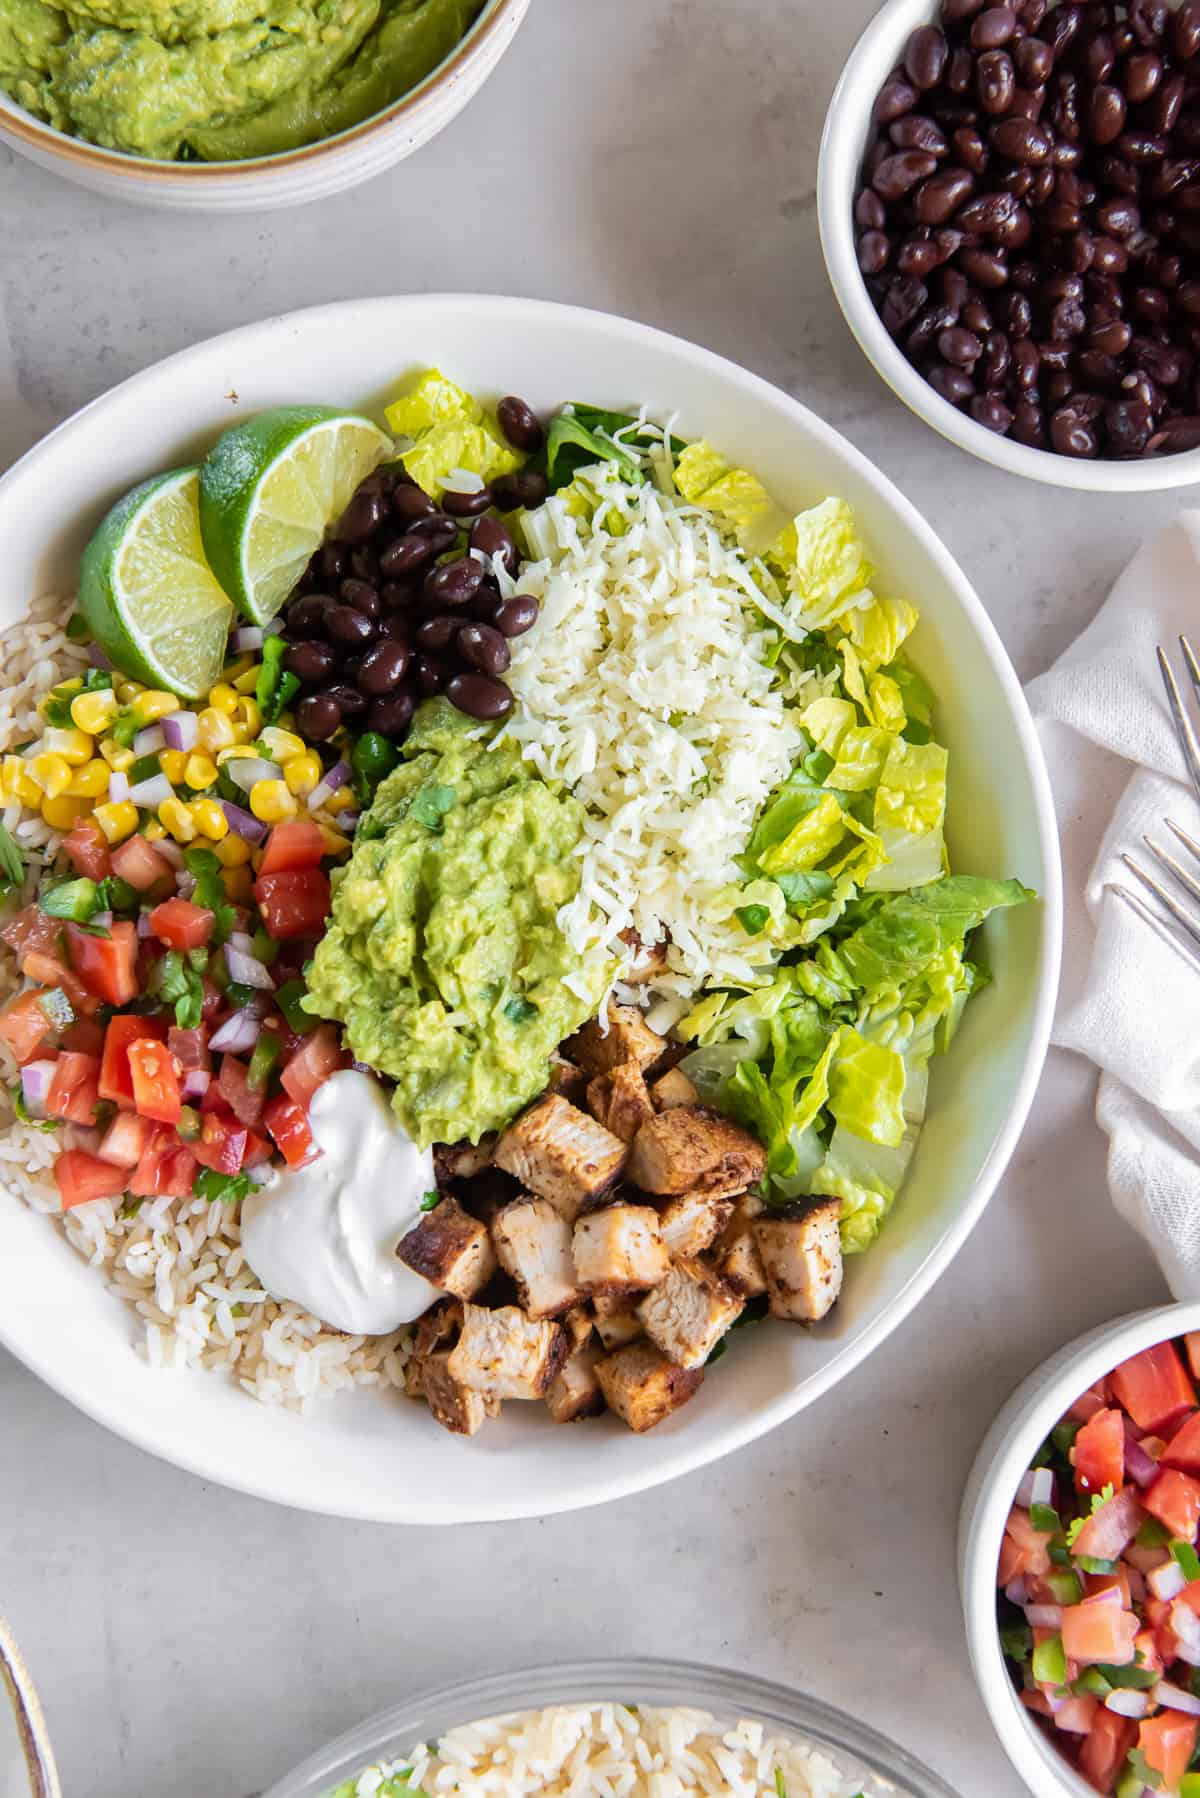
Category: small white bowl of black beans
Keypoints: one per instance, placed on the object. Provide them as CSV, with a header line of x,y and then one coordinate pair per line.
x,y
1009,204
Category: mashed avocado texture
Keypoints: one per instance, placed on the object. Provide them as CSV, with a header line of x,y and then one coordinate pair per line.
x,y
219,80
443,960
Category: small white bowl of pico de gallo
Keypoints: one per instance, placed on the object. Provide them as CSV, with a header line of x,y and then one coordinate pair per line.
x,y
1079,1563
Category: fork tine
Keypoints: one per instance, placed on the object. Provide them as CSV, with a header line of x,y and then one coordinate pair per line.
x,y
1183,725
1192,665
1156,924
1164,898
1186,880
1189,843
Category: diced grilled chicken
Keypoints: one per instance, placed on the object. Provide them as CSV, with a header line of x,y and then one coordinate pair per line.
x,y
450,1248
568,1080
619,1250
736,1257
451,1404
673,1089
617,1322
648,962
619,1100
501,1354
439,1328
691,1223
688,1312
575,1390
533,1244
561,1154
463,1160
802,1256
579,1323
643,1386
628,1037
692,1149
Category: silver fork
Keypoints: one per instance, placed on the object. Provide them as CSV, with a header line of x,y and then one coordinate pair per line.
x,y
1188,920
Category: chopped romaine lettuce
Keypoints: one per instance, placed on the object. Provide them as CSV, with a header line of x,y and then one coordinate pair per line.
x,y
448,429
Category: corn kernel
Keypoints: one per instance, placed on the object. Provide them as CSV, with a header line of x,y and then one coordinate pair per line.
x,y
117,820
271,801
60,813
155,704
178,819
232,851
239,884
341,800
215,731
208,816
51,773
115,756
247,682
240,665
19,783
127,690
233,752
90,781
223,698
173,762
302,774
94,712
249,716
335,842
281,743
153,831
74,746
200,772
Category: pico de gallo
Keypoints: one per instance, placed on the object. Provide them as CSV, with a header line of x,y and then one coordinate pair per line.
x,y
1099,1576
161,1029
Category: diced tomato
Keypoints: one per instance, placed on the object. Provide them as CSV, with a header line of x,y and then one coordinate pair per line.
x,y
241,1098
1087,1404
214,1001
155,1074
1077,1715
86,1035
125,1139
1034,1699
106,964
75,1088
298,843
116,1081
288,1124
293,903
1168,1743
86,849
1153,1386
1106,1749
189,1047
140,863
1024,1550
82,1177
49,970
258,1150
320,1055
166,1166
30,931
1146,1651
221,1145
1098,1453
1183,1450
1174,1499
181,925
1191,1343
1109,1531
25,1027
1118,1582
1096,1631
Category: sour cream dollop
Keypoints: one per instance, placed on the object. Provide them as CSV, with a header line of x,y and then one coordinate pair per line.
x,y
325,1235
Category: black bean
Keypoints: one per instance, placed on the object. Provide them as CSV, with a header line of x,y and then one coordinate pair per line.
x,y
1128,423
989,410
485,648
995,81
976,317
918,256
938,198
1109,257
466,505
1148,20
362,515
411,552
897,175
957,12
987,268
1098,57
349,701
1026,364
995,26
1118,218
1028,425
453,583
317,716
874,248
1183,30
430,674
959,70
925,57
915,132
1111,338
409,503
1034,61
436,634
520,424
951,383
904,299
310,662
492,537
362,595
382,668
1096,371
1071,434
513,617
986,213
970,149
525,488
347,625
870,213
306,617
960,347
398,629
479,696
1018,315
895,97
334,559
1106,113
1177,435
1021,140
391,715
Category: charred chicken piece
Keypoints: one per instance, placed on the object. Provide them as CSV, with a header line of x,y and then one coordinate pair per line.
x,y
689,1312
561,1154
801,1251
619,1250
692,1149
501,1354
627,1037
533,1244
643,1386
450,1248
619,1100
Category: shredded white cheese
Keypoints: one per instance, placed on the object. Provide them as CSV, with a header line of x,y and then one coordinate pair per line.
x,y
644,690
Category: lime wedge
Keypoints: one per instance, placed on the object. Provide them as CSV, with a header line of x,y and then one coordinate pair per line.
x,y
148,593
269,490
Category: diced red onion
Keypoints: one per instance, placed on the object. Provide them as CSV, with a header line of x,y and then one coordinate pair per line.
x,y
1168,1580
170,852
1036,1488
247,770
1185,1627
149,740
1109,1595
1142,1468
1043,1616
1017,1590
1174,1698
98,659
101,919
35,1086
1126,1703
338,776
238,1033
118,786
185,884
242,940
243,823
463,480
196,1082
247,970
274,628
1137,1585
348,820
153,792
246,636
362,1067
1055,1700
143,924
180,729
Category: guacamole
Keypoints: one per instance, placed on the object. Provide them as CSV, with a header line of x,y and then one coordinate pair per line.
x,y
220,80
443,959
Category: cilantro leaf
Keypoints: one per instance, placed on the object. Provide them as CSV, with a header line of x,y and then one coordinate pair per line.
x,y
22,1110
276,686
181,986
518,1010
752,918
430,806
12,867
431,1200
1098,1499
221,1189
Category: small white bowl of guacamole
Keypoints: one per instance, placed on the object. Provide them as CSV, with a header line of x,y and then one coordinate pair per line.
x,y
238,105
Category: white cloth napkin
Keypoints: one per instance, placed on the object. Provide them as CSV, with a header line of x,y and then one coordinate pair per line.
x,y
1128,1001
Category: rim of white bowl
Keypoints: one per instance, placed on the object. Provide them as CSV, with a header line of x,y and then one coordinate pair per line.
x,y
163,176
690,1451
1020,1426
843,144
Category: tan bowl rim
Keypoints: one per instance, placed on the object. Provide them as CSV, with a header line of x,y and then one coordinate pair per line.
x,y
17,1684
21,124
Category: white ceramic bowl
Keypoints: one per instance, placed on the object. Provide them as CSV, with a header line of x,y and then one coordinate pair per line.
x,y
843,145
370,1458
290,179
1019,1430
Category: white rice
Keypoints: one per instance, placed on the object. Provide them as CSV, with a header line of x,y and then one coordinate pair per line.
x,y
614,1752
178,1263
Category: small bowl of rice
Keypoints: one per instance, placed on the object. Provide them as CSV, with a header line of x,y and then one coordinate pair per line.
x,y
666,1729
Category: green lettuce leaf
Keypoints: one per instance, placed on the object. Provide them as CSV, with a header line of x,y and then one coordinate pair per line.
x,y
449,429
737,498
910,930
866,1088
824,562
